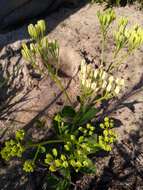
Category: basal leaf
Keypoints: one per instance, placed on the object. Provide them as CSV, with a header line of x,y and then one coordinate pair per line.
x,y
68,111
87,116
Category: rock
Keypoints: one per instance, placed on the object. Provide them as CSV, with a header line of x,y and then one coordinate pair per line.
x,y
15,11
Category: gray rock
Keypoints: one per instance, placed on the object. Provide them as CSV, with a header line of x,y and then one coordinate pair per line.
x,y
12,11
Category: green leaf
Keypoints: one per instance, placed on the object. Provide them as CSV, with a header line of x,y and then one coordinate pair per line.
x,y
52,182
63,185
65,172
87,116
56,127
55,183
56,123
68,111
89,170
42,149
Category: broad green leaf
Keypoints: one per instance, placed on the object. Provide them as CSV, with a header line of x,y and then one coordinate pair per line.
x,y
52,182
63,185
65,172
87,116
89,170
68,111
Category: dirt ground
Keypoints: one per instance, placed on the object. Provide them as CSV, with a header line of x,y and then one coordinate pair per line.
x,y
28,98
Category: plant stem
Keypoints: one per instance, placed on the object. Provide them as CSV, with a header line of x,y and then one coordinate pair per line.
x,y
116,64
94,101
45,143
36,154
58,82
103,48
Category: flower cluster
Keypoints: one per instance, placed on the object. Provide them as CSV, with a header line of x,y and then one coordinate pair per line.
x,y
98,80
132,38
108,136
20,134
28,166
37,31
106,19
41,47
64,161
88,130
120,37
77,148
12,149
76,151
54,162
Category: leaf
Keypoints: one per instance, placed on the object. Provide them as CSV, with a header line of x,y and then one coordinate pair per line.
x,y
68,111
87,116
51,182
63,185
89,170
65,172
42,149
56,127
56,123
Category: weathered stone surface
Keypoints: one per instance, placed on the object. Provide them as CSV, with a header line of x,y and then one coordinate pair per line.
x,y
15,10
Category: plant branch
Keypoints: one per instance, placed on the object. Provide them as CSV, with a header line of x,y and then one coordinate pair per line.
x,y
45,143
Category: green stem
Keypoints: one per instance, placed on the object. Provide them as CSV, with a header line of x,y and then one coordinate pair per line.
x,y
58,82
36,154
116,64
103,48
95,101
45,143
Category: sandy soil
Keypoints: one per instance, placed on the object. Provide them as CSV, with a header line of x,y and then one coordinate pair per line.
x,y
77,32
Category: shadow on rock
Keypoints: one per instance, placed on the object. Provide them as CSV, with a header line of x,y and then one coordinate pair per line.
x,y
55,14
125,167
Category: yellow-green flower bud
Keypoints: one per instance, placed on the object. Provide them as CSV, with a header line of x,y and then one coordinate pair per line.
x,y
117,90
28,166
73,163
81,139
85,131
109,87
42,26
67,148
32,31
93,86
102,126
80,129
96,73
49,158
72,137
79,152
63,158
20,134
85,163
65,164
111,79
78,164
106,119
53,168
54,151
107,124
104,84
58,163
92,128
105,132
90,133
32,48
